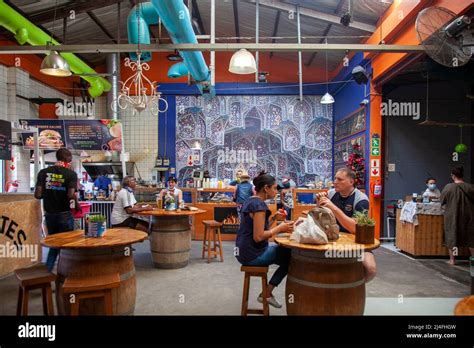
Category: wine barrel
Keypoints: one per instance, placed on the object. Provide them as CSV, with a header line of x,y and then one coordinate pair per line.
x,y
318,285
93,262
170,241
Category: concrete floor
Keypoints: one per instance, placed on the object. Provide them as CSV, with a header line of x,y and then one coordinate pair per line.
x,y
403,286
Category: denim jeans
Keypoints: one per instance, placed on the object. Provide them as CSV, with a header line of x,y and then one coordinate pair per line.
x,y
57,223
274,254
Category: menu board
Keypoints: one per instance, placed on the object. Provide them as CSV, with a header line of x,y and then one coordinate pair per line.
x,y
94,135
5,140
50,134
75,134
350,125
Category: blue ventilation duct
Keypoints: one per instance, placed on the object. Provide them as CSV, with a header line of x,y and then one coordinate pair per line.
x,y
175,17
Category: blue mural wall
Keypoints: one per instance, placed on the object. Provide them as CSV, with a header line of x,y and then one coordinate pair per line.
x,y
278,134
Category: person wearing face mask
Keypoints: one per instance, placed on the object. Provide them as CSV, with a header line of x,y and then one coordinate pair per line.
x,y
432,191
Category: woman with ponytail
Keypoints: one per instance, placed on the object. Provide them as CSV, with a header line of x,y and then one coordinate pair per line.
x,y
255,230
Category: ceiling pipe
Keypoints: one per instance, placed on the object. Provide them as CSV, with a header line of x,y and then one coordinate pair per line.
x,y
175,17
25,31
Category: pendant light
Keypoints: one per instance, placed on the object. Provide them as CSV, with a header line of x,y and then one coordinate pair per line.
x,y
327,98
53,64
242,63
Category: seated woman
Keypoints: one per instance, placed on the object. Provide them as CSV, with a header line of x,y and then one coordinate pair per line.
x,y
254,231
173,191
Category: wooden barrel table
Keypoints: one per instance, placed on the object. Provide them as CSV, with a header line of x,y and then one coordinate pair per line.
x,y
326,279
88,257
170,240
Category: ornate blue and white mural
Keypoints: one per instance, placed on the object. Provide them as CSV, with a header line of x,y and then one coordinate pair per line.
x,y
278,134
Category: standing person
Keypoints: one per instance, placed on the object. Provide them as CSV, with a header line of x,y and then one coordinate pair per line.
x,y
286,194
343,201
173,190
458,197
238,175
254,232
126,205
243,191
432,191
104,183
56,186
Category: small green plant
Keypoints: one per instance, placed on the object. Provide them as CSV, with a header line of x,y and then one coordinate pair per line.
x,y
97,218
362,218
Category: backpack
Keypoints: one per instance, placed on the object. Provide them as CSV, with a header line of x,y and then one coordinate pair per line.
x,y
325,219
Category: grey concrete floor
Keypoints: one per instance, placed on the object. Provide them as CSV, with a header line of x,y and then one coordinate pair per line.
x,y
403,286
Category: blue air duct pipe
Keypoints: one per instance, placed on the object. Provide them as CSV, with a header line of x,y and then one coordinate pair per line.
x,y
177,70
175,17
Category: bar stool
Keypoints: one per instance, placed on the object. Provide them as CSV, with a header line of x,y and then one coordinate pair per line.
x,y
91,287
212,228
32,278
254,271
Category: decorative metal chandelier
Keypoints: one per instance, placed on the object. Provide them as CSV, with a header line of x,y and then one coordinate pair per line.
x,y
133,91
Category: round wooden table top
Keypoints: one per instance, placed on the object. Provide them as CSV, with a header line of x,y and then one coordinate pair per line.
x,y
346,241
177,212
465,306
76,239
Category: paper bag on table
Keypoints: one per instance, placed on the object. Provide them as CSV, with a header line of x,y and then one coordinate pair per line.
x,y
308,232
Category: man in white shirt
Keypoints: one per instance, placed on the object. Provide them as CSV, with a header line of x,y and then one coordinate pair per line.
x,y
126,205
432,191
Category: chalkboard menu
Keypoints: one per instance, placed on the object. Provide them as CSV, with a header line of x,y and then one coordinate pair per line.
x,y
5,140
350,125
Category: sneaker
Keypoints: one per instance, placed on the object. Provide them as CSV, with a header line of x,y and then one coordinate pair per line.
x,y
271,301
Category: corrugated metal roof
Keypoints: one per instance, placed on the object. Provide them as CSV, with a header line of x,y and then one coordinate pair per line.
x,y
83,29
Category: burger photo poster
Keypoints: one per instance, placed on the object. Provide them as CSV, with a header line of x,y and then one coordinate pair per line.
x,y
51,134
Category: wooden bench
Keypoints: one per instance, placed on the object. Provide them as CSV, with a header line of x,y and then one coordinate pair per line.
x,y
212,231
254,271
36,277
91,287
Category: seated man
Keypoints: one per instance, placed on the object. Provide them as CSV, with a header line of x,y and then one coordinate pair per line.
x,y
126,205
343,200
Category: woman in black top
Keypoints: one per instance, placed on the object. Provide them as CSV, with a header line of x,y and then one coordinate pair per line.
x,y
254,231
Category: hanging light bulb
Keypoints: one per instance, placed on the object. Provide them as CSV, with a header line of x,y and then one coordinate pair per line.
x,y
242,63
327,98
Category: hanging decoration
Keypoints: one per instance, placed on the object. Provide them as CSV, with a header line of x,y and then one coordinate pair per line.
x,y
460,148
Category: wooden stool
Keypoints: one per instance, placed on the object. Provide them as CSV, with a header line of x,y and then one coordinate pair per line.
x,y
91,287
32,278
254,271
212,229
465,306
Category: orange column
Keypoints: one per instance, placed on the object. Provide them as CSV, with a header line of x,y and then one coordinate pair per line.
x,y
376,208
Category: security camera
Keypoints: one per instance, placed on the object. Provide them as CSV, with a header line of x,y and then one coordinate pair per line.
x,y
364,102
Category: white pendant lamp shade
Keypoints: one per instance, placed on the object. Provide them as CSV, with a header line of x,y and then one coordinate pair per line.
x,y
242,62
327,99
55,65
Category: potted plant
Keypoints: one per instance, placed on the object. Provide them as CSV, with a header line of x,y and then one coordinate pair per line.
x,y
96,225
365,228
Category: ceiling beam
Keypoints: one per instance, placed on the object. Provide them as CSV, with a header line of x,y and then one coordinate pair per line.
x,y
217,47
47,16
198,17
327,17
101,25
275,29
326,31
236,20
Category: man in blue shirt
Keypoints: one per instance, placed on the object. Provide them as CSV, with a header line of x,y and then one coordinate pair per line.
x,y
343,200
243,191
103,182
